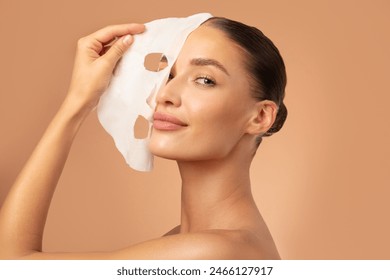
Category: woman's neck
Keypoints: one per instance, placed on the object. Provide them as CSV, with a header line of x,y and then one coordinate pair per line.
x,y
214,194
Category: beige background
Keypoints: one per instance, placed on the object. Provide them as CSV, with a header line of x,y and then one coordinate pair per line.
x,y
322,183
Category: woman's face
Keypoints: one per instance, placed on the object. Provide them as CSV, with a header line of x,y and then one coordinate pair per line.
x,y
203,111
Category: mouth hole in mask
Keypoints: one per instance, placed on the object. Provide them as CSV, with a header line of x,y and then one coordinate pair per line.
x,y
141,128
155,62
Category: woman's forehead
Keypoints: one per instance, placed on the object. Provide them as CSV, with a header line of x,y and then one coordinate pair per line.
x,y
207,42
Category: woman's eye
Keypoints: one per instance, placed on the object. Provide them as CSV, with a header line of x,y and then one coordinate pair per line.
x,y
205,81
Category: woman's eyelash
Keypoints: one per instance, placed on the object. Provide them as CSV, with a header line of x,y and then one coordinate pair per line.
x,y
205,81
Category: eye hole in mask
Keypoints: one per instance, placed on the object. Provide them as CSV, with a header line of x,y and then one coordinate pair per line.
x,y
155,62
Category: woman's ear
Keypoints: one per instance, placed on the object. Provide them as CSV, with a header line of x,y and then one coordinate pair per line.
x,y
264,115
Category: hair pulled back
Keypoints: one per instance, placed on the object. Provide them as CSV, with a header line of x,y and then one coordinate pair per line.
x,y
264,64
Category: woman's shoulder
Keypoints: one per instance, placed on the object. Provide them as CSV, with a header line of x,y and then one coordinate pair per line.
x,y
209,244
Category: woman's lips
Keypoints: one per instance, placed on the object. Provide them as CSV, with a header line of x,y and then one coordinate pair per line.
x,y
163,121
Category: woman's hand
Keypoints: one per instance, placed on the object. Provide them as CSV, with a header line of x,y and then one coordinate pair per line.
x,y
96,58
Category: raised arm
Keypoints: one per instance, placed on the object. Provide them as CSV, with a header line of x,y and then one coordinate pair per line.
x,y
24,211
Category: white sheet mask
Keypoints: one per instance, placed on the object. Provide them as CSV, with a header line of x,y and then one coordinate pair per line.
x,y
132,90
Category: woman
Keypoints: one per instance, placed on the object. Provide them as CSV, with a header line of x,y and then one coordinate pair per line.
x,y
225,92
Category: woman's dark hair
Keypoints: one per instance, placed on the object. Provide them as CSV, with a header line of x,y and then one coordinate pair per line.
x,y
264,64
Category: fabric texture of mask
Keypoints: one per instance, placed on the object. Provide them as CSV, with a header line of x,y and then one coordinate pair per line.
x,y
132,90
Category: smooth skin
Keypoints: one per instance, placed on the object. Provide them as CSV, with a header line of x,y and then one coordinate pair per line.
x,y
219,218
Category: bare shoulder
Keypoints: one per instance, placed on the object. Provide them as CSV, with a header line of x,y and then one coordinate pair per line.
x,y
212,244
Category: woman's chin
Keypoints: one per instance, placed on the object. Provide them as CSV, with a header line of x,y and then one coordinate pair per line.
x,y
162,151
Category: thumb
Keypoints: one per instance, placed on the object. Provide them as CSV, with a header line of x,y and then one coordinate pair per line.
x,y
118,49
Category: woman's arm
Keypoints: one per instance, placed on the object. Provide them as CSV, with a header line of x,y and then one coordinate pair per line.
x,y
23,214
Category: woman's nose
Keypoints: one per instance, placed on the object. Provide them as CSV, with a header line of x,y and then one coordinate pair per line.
x,y
169,94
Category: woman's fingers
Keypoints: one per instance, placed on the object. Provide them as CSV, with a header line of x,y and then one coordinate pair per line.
x,y
102,39
117,47
109,33
115,52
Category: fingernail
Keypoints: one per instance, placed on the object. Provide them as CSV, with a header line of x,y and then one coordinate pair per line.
x,y
127,39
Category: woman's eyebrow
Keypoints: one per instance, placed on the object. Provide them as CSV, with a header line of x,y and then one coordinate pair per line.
x,y
209,61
